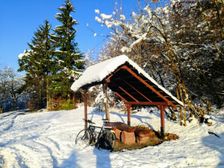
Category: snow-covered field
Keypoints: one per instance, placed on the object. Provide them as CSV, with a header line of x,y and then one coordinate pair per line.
x,y
47,139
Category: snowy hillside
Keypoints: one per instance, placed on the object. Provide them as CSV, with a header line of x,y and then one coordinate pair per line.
x,y
47,139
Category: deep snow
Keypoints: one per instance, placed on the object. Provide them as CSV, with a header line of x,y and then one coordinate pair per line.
x,y
47,139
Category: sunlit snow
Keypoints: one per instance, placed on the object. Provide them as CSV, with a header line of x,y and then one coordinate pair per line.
x,y
47,139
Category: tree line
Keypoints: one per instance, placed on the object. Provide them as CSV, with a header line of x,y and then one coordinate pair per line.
x,y
52,62
181,45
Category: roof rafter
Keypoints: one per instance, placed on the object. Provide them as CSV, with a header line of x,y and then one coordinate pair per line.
x,y
147,85
137,91
126,92
121,97
148,103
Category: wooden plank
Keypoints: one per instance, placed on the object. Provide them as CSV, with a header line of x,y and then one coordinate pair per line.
x,y
148,85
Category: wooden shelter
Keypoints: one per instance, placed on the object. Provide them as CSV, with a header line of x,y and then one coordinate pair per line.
x,y
130,83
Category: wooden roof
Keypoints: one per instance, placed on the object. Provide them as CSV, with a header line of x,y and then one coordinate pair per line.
x,y
131,84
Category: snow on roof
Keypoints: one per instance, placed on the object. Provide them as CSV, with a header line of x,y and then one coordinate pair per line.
x,y
100,71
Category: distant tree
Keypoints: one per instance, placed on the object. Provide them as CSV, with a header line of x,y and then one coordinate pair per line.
x,y
37,62
88,58
10,89
69,61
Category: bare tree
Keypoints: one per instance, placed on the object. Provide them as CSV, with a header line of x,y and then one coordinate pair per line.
x,y
10,89
175,44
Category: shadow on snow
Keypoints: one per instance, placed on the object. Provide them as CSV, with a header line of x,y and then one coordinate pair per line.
x,y
216,143
71,161
102,158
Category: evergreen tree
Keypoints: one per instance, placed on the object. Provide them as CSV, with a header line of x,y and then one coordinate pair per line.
x,y
69,60
37,62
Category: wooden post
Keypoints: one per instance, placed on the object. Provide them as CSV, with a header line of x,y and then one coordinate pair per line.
x,y
85,100
162,119
128,106
106,102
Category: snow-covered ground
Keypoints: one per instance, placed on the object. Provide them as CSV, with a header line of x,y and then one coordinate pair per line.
x,y
47,139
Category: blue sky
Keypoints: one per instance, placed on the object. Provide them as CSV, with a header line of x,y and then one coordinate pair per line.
x,y
19,19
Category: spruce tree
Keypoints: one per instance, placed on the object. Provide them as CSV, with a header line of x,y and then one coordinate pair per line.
x,y
67,56
37,62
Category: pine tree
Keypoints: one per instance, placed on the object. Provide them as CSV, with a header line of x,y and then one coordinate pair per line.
x,y
37,62
67,56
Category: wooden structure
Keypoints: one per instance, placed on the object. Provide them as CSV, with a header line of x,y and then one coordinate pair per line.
x,y
131,84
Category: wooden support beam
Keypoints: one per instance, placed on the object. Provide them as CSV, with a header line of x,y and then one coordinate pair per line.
x,y
85,100
149,103
106,101
162,119
128,94
128,106
147,85
137,91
